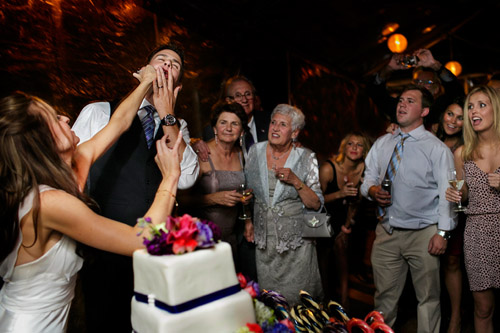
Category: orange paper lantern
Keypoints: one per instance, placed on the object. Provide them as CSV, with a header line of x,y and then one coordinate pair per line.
x,y
397,43
454,67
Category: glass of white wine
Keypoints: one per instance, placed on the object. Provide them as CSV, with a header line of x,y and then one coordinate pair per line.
x,y
457,185
244,213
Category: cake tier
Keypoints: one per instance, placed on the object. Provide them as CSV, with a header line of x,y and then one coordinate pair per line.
x,y
224,315
177,279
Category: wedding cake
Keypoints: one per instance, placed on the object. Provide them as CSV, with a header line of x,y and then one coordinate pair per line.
x,y
193,292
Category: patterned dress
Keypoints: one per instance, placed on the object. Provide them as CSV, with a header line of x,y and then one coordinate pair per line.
x,y
286,262
482,230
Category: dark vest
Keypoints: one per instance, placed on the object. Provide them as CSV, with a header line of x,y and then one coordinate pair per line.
x,y
125,179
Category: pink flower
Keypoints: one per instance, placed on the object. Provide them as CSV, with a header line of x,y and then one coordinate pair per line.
x,y
249,289
242,280
288,324
184,245
182,234
254,328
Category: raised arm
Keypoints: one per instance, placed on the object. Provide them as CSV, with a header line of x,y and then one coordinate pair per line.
x,y
66,214
88,152
164,97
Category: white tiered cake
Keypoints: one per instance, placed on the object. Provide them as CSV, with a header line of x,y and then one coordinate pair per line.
x,y
194,292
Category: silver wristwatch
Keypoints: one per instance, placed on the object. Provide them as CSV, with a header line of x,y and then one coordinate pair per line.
x,y
169,120
445,234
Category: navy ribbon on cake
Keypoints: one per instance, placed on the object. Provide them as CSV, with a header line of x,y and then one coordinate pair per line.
x,y
192,303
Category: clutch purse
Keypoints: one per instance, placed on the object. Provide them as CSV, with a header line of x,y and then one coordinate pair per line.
x,y
317,225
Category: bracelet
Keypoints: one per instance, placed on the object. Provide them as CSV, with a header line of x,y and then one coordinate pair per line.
x,y
300,187
171,194
192,141
345,229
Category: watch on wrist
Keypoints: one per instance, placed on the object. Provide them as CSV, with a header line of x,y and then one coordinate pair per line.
x,y
169,120
445,234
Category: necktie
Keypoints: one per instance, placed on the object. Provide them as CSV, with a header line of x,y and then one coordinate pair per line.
x,y
393,166
148,123
249,141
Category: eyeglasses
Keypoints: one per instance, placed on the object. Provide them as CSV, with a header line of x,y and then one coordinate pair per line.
x,y
423,82
239,97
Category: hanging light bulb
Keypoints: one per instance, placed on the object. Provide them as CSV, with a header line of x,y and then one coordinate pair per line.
x,y
389,28
454,67
397,43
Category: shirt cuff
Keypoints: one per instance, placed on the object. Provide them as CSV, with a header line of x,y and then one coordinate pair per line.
x,y
190,169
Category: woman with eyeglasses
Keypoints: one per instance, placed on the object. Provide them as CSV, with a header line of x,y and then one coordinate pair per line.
x,y
478,163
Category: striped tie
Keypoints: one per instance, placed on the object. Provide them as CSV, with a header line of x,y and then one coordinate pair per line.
x,y
393,166
148,123
397,154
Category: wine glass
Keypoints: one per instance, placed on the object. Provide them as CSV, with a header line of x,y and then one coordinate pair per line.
x,y
244,214
457,185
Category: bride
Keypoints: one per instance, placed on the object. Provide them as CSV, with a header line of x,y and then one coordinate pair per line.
x,y
43,212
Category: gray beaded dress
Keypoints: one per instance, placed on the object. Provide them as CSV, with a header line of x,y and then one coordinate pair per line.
x,y
286,263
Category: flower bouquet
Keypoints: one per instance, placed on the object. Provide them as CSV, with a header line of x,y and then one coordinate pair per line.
x,y
267,321
179,235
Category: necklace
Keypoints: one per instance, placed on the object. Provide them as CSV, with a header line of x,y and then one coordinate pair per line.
x,y
277,158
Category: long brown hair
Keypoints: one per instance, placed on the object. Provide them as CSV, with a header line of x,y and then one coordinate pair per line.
x,y
28,158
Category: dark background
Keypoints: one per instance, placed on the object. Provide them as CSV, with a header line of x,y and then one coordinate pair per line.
x,y
314,54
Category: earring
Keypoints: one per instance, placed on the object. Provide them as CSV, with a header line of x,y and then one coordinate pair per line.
x,y
216,139
294,140
241,141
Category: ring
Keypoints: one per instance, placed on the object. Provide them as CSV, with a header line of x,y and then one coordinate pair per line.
x,y
138,71
160,86
282,176
197,151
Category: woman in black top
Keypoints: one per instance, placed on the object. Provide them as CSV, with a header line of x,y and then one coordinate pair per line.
x,y
340,177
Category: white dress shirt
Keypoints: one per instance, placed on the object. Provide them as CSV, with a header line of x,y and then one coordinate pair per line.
x,y
95,116
418,190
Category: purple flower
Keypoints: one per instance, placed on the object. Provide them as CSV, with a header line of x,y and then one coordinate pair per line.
x,y
205,235
217,234
157,245
274,328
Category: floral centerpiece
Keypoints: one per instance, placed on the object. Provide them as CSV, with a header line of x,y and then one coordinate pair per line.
x,y
267,321
179,235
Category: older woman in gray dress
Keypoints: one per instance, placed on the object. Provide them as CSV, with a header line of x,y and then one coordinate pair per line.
x,y
285,181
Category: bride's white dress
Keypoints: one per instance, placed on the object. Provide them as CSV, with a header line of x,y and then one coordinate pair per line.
x,y
36,296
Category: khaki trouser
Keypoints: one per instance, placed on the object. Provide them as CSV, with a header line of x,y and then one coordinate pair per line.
x,y
391,257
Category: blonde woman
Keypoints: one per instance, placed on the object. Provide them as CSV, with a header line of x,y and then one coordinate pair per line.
x,y
340,177
478,162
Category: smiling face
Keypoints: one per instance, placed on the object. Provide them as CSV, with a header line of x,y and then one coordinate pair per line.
x,y
453,120
167,58
241,92
354,148
228,127
480,112
280,130
409,111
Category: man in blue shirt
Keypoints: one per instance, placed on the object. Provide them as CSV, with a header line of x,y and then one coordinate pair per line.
x,y
415,218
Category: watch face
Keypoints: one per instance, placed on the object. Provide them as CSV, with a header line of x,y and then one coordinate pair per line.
x,y
169,120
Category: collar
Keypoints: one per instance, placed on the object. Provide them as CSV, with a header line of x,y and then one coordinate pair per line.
x,y
415,134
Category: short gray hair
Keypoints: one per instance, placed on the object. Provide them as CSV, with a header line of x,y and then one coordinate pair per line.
x,y
298,118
